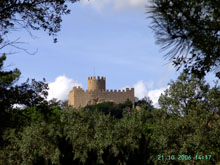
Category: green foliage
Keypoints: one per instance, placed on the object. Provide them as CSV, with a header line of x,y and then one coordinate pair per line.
x,y
145,103
187,93
191,116
35,137
190,28
128,103
32,14
26,94
73,136
7,78
111,108
34,144
107,133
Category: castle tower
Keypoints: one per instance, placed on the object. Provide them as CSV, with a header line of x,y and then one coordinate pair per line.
x,y
96,83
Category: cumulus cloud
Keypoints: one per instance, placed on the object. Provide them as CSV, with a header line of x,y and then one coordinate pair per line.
x,y
155,95
140,90
116,4
60,88
144,89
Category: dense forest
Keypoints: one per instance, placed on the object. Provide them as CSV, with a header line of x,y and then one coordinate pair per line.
x,y
184,130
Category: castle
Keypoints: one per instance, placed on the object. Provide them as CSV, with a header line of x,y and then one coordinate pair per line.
x,y
97,93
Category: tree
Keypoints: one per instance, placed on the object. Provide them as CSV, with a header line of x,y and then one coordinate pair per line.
x,y
191,30
80,137
189,124
28,15
32,14
28,94
185,94
145,103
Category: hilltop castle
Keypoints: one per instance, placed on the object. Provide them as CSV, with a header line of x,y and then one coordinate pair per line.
x,y
97,93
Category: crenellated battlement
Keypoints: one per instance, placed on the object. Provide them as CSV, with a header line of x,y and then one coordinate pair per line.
x,y
119,91
96,78
97,93
77,87
112,91
96,83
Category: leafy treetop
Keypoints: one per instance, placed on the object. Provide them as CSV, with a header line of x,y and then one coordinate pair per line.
x,y
32,14
191,29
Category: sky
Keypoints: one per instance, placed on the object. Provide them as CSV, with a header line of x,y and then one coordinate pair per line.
x,y
110,38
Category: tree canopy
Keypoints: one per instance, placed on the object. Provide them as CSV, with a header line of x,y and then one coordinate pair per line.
x,y
190,29
187,124
186,93
27,94
32,14
183,130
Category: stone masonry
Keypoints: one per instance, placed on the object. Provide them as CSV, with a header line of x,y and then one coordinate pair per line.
x,y
97,93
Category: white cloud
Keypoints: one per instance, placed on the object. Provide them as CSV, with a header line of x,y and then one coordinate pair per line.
x,y
117,4
140,89
62,85
125,4
97,4
155,95
60,88
144,89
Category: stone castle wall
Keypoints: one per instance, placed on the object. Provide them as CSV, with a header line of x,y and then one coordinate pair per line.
x,y
80,98
96,84
97,93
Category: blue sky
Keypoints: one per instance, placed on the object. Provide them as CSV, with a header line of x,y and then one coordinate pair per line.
x,y
111,37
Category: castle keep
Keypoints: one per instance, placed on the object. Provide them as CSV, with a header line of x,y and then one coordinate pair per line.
x,y
97,93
